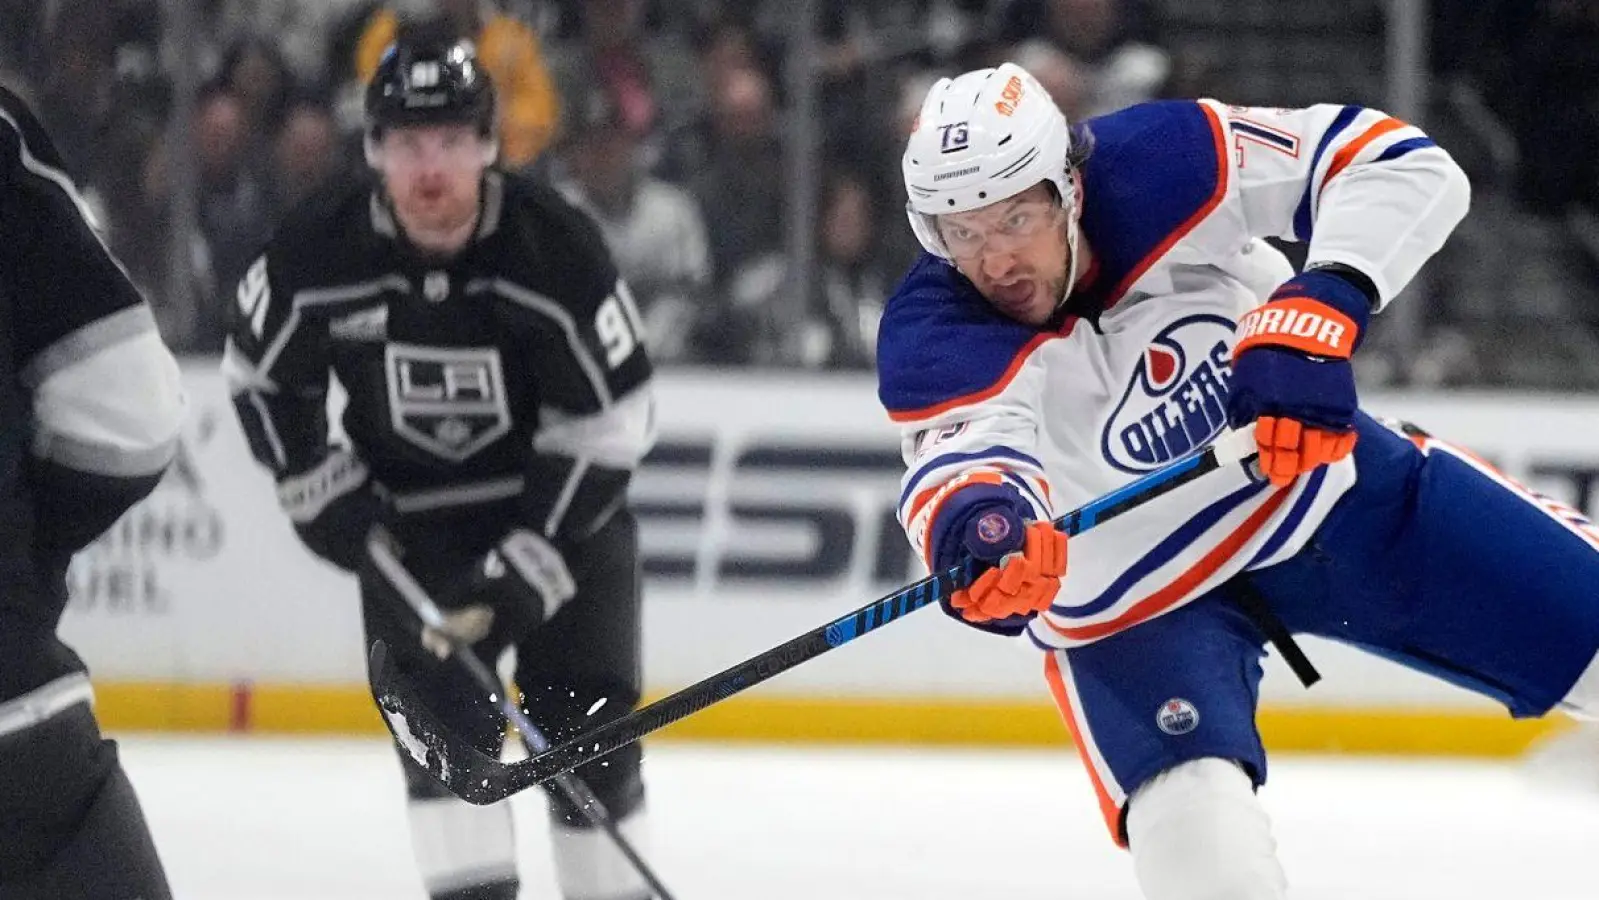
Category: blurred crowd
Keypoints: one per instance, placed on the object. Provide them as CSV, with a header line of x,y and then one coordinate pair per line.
x,y
673,122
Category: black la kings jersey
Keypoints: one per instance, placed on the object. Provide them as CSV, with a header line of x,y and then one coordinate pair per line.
x,y
512,371
90,401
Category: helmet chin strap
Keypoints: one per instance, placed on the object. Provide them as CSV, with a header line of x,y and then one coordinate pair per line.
x,y
1072,232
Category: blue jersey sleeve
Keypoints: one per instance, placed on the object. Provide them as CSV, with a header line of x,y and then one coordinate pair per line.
x,y
1156,171
941,345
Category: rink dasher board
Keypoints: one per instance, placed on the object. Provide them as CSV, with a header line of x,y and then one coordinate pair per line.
x,y
767,507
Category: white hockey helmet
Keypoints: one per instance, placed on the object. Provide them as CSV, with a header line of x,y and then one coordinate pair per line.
x,y
980,138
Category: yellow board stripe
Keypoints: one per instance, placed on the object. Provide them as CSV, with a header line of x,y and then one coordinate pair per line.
x,y
341,710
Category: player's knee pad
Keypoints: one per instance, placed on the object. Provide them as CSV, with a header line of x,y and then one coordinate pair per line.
x,y
1582,701
1198,832
589,866
463,852
72,825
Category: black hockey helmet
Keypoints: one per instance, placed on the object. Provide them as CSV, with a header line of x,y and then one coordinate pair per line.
x,y
423,81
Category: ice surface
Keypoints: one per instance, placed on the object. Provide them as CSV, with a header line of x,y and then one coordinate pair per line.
x,y
268,819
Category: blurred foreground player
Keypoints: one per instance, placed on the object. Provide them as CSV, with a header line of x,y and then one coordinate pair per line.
x,y
499,400
1096,302
91,409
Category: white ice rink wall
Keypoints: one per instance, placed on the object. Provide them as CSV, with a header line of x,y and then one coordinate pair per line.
x,y
767,509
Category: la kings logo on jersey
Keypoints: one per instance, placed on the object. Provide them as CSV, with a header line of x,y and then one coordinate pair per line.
x,y
449,401
1176,397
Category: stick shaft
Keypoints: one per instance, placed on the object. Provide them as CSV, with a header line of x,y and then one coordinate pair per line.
x,y
1234,446
574,788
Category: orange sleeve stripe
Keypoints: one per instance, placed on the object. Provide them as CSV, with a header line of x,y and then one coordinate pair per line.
x,y
1016,363
922,497
1344,157
1219,136
1107,806
1173,593
920,501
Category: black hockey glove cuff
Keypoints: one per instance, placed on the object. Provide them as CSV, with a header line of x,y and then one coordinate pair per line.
x,y
332,506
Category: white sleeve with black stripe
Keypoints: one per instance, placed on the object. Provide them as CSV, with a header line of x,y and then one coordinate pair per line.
x,y
106,398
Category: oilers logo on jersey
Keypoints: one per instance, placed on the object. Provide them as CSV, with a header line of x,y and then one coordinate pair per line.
x,y
1177,717
1176,399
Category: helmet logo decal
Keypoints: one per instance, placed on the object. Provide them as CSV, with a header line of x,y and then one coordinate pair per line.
x,y
945,176
425,73
1009,97
956,135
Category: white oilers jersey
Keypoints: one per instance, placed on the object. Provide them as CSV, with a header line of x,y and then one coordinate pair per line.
x,y
1135,374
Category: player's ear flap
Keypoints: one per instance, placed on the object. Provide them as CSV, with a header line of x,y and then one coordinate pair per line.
x,y
491,151
374,152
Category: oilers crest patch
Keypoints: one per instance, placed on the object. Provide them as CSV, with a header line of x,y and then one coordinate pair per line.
x,y
993,529
1177,717
1176,396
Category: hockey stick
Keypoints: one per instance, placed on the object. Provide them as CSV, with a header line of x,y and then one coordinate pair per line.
x,y
479,778
381,545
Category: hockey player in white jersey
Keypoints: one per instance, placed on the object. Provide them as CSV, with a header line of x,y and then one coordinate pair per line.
x,y
1097,301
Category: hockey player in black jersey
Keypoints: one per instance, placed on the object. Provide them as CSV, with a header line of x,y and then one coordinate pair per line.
x,y
90,407
498,402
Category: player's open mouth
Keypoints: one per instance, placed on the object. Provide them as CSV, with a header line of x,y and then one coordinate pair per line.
x,y
1014,297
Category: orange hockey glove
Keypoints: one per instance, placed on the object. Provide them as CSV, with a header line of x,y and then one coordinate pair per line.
x,y
1024,582
1289,448
1291,373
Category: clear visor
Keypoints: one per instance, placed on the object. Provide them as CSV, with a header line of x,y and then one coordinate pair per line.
x,y
998,227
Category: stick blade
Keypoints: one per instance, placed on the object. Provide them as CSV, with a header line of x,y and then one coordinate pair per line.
x,y
461,768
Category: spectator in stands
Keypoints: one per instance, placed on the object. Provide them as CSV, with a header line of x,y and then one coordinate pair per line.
x,y
509,50
305,154
1064,78
137,225
727,46
835,326
234,209
300,30
137,231
254,72
899,247
654,229
72,76
738,176
1102,35
652,74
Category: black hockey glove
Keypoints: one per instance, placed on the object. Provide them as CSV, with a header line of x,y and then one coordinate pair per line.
x,y
512,589
332,506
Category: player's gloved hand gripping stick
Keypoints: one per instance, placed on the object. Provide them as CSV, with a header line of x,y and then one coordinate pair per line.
x,y
479,778
1291,371
447,638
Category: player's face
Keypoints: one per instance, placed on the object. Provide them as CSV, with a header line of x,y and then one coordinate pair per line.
x,y
432,174
1014,251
